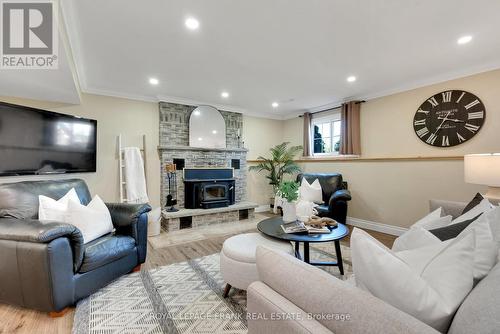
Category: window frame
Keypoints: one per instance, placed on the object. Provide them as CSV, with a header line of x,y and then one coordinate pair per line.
x,y
331,118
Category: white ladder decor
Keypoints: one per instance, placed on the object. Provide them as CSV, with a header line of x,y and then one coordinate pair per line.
x,y
121,166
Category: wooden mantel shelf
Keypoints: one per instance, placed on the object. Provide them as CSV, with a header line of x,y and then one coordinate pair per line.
x,y
375,159
189,148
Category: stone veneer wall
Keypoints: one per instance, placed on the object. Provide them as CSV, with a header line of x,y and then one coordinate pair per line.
x,y
174,144
174,125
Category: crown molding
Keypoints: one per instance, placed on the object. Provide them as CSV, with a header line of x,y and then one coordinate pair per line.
x,y
438,79
74,41
226,107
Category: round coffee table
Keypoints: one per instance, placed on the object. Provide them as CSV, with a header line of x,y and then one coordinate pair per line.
x,y
272,227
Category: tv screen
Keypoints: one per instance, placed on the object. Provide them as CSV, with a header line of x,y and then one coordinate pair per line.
x,y
34,141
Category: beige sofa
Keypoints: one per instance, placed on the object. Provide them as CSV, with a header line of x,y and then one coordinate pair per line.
x,y
294,297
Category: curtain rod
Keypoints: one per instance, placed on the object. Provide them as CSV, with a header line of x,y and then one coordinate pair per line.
x,y
337,107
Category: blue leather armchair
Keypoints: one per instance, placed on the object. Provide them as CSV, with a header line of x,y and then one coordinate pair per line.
x,y
335,194
46,266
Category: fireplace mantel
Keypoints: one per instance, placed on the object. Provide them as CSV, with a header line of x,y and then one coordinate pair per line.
x,y
189,148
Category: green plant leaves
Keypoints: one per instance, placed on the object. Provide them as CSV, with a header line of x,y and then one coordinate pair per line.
x,y
280,163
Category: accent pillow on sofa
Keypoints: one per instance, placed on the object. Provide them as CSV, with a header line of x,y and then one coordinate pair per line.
x,y
428,283
417,235
485,249
311,192
478,198
432,219
482,207
93,220
51,210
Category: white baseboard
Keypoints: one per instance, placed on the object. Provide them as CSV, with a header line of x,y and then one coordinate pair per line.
x,y
262,208
374,226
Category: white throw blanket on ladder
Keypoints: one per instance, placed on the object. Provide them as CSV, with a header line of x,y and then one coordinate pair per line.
x,y
135,179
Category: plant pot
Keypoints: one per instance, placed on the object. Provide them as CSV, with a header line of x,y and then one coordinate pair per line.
x,y
271,204
289,212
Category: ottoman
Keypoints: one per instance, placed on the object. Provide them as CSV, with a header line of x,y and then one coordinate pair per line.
x,y
237,258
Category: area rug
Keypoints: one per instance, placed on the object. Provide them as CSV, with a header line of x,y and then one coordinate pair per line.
x,y
183,297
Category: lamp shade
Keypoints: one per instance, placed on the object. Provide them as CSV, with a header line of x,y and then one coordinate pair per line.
x,y
482,169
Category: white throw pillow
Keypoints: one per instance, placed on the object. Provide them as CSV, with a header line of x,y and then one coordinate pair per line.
x,y
436,214
493,218
433,220
428,283
482,207
93,220
51,210
485,248
415,237
418,235
311,192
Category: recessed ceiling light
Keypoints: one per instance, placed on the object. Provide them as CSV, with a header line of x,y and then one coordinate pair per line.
x,y
464,39
214,132
154,81
200,139
224,95
192,23
275,104
197,113
351,78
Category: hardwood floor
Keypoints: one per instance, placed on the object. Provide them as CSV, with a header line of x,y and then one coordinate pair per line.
x,y
20,320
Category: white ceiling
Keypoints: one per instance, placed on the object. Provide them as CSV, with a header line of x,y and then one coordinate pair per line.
x,y
298,53
38,84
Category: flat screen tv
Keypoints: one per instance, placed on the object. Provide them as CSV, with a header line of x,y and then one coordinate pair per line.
x,y
34,141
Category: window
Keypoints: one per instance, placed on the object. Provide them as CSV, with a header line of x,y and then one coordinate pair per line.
x,y
326,135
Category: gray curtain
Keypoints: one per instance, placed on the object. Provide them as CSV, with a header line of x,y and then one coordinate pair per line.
x,y
350,142
307,134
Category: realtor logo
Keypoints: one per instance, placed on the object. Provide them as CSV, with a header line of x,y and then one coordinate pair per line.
x,y
29,35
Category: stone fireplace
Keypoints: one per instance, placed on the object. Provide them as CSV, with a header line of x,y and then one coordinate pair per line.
x,y
174,148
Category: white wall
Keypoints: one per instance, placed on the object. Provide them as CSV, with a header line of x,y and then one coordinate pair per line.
x,y
114,116
259,135
132,119
390,192
396,192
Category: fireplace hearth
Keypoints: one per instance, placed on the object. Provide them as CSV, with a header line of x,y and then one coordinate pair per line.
x,y
208,188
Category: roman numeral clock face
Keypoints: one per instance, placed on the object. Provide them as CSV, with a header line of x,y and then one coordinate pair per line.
x,y
449,118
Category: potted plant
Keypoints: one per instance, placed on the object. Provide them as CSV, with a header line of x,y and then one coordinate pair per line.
x,y
289,193
279,164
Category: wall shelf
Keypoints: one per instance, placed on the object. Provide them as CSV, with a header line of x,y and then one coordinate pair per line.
x,y
375,159
207,149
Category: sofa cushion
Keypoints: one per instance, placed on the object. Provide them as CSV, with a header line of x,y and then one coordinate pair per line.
x,y
106,249
480,311
93,220
311,192
20,199
329,182
473,203
452,230
428,283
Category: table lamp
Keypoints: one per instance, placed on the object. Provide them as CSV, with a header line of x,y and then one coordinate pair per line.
x,y
484,169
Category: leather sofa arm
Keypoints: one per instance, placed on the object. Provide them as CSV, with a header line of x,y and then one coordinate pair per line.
x,y
124,214
342,194
132,220
32,230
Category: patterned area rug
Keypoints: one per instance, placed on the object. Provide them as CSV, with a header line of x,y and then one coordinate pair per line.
x,y
179,298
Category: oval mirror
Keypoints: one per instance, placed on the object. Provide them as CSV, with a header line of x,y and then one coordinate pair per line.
x,y
207,128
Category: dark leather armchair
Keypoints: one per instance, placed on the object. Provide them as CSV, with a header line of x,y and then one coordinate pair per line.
x,y
335,195
46,266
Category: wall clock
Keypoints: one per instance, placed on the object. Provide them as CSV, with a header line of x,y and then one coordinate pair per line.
x,y
449,118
